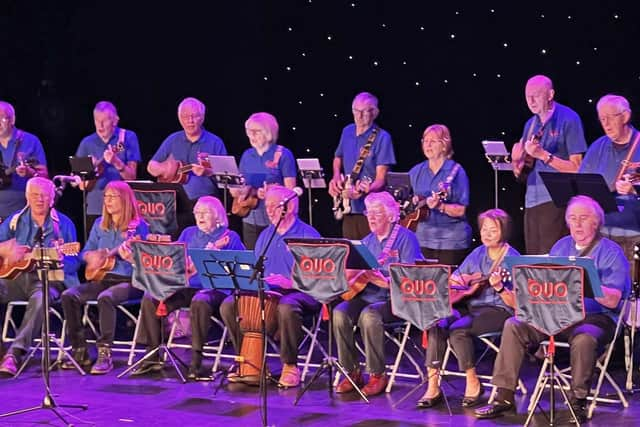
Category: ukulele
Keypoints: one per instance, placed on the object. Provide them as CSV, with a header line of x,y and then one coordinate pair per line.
x,y
359,279
181,175
243,205
108,263
342,204
10,271
99,166
420,211
472,284
528,162
6,172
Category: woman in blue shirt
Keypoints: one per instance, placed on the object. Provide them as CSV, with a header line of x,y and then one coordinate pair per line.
x,y
442,186
486,309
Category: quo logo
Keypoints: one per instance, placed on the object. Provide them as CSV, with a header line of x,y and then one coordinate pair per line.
x,y
418,287
151,209
156,262
547,290
317,265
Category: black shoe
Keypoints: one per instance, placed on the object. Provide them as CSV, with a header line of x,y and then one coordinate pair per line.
x,y
81,356
471,401
194,371
429,402
494,409
104,364
579,407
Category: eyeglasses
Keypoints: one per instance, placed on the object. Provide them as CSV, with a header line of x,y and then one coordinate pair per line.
x,y
378,215
368,111
430,141
111,196
194,117
202,213
575,219
606,117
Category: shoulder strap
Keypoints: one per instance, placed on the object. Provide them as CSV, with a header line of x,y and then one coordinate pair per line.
x,y
500,258
625,163
390,241
364,152
587,251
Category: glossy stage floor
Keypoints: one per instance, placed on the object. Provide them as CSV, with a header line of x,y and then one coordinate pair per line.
x,y
162,400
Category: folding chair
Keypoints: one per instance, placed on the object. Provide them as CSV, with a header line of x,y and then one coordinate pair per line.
x,y
213,349
123,346
489,340
602,365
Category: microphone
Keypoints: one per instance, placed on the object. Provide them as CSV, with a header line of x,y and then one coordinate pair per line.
x,y
68,179
297,192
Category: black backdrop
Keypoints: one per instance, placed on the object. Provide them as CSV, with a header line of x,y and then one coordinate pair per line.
x,y
446,62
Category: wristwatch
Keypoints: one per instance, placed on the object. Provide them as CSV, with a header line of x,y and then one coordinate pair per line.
x,y
501,290
549,159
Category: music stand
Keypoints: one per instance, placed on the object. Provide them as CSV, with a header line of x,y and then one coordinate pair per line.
x,y
228,269
226,174
84,168
359,258
46,263
165,284
312,177
563,186
591,288
182,203
498,157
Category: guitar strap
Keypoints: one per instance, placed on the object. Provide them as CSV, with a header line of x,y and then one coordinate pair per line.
x,y
386,251
449,179
587,251
364,152
120,143
625,163
53,214
500,258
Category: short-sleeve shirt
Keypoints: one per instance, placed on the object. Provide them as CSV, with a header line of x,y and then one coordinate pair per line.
x,y
563,136
187,152
439,230
405,249
275,164
28,147
612,267
479,261
349,151
279,259
94,146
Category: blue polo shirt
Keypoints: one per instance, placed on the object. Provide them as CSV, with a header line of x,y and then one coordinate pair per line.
x,y
198,239
12,198
563,136
25,233
605,157
187,152
441,231
478,261
278,257
93,145
349,151
109,239
612,267
259,169
405,249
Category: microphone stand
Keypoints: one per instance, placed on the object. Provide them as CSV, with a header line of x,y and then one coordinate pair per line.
x,y
43,267
258,273
633,319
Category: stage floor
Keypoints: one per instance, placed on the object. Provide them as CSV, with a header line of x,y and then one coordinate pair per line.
x,y
161,400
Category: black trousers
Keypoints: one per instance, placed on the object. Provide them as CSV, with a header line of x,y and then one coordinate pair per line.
x,y
544,225
355,227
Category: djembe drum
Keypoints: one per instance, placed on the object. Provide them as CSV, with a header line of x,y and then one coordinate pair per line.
x,y
251,350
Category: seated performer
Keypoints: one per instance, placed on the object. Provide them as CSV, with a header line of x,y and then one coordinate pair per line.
x,y
483,307
210,232
587,338
19,233
389,242
293,305
107,273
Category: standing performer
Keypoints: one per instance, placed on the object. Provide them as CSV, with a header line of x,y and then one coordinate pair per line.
x,y
365,153
552,140
115,153
368,302
108,275
441,187
264,164
484,307
22,157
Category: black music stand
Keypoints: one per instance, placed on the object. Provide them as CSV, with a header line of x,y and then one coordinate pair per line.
x,y
46,264
183,204
226,175
591,288
427,311
312,177
227,269
84,168
359,258
161,293
498,157
563,186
